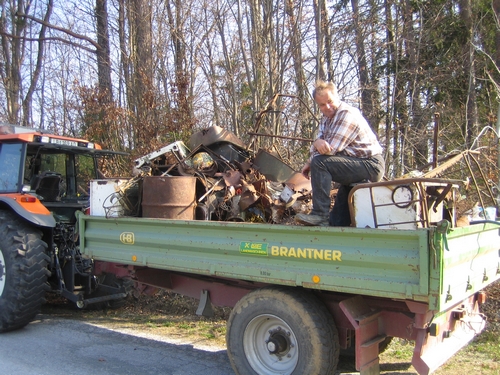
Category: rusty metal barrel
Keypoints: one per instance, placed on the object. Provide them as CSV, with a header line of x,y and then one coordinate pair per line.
x,y
169,197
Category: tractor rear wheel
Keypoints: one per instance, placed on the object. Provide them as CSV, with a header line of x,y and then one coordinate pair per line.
x,y
23,272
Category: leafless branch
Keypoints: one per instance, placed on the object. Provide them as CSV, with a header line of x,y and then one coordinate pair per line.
x,y
61,29
57,39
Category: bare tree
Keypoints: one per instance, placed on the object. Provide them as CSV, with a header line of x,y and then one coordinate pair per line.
x,y
14,31
257,38
367,104
321,23
294,14
229,67
470,72
103,52
143,104
173,65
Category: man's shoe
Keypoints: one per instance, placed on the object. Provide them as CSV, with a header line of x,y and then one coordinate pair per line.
x,y
312,220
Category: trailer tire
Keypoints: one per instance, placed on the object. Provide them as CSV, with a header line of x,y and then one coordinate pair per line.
x,y
23,272
282,331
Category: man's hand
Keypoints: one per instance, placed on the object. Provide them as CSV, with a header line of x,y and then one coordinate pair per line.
x,y
322,146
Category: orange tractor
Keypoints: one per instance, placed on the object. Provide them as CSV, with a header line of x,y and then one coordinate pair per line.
x,y
44,181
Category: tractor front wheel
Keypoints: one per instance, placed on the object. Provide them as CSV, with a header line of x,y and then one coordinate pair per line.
x,y
23,272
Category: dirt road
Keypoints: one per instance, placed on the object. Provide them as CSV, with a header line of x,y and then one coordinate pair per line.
x,y
54,346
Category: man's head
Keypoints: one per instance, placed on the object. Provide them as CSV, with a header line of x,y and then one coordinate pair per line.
x,y
326,96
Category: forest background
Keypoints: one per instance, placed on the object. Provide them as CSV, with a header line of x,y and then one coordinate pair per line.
x,y
135,75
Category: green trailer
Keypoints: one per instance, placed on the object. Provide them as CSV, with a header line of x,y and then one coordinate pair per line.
x,y
302,295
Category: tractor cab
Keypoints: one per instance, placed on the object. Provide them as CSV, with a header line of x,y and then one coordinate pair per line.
x,y
56,170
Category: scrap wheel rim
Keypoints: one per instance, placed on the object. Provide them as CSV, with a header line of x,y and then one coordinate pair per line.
x,y
270,345
2,273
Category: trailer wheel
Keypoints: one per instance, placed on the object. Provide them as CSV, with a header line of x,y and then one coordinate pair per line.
x,y
281,331
23,272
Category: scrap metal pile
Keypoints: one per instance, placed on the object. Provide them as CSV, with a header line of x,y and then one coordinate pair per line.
x,y
216,177
232,184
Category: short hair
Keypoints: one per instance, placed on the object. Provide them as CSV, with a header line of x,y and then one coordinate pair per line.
x,y
324,85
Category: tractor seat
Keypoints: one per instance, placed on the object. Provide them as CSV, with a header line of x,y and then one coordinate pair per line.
x,y
47,186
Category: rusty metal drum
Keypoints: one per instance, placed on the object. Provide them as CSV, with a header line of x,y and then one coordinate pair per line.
x,y
169,197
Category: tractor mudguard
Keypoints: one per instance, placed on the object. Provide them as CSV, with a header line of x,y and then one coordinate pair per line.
x,y
29,208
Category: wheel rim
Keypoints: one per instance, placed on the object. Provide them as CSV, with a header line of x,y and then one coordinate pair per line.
x,y
270,345
3,278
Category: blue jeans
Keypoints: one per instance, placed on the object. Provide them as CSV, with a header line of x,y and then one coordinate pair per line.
x,y
345,170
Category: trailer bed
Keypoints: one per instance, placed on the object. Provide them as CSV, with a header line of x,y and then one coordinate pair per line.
x,y
438,266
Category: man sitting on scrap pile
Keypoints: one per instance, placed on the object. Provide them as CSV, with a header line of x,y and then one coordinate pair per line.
x,y
346,151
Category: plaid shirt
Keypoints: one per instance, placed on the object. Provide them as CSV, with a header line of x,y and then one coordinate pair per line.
x,y
348,133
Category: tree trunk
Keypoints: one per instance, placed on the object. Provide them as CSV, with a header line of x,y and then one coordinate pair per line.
x,y
257,73
364,77
258,51
390,77
400,104
418,155
125,83
271,84
103,51
12,48
300,79
496,9
232,97
470,72
320,22
28,99
183,118
145,126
